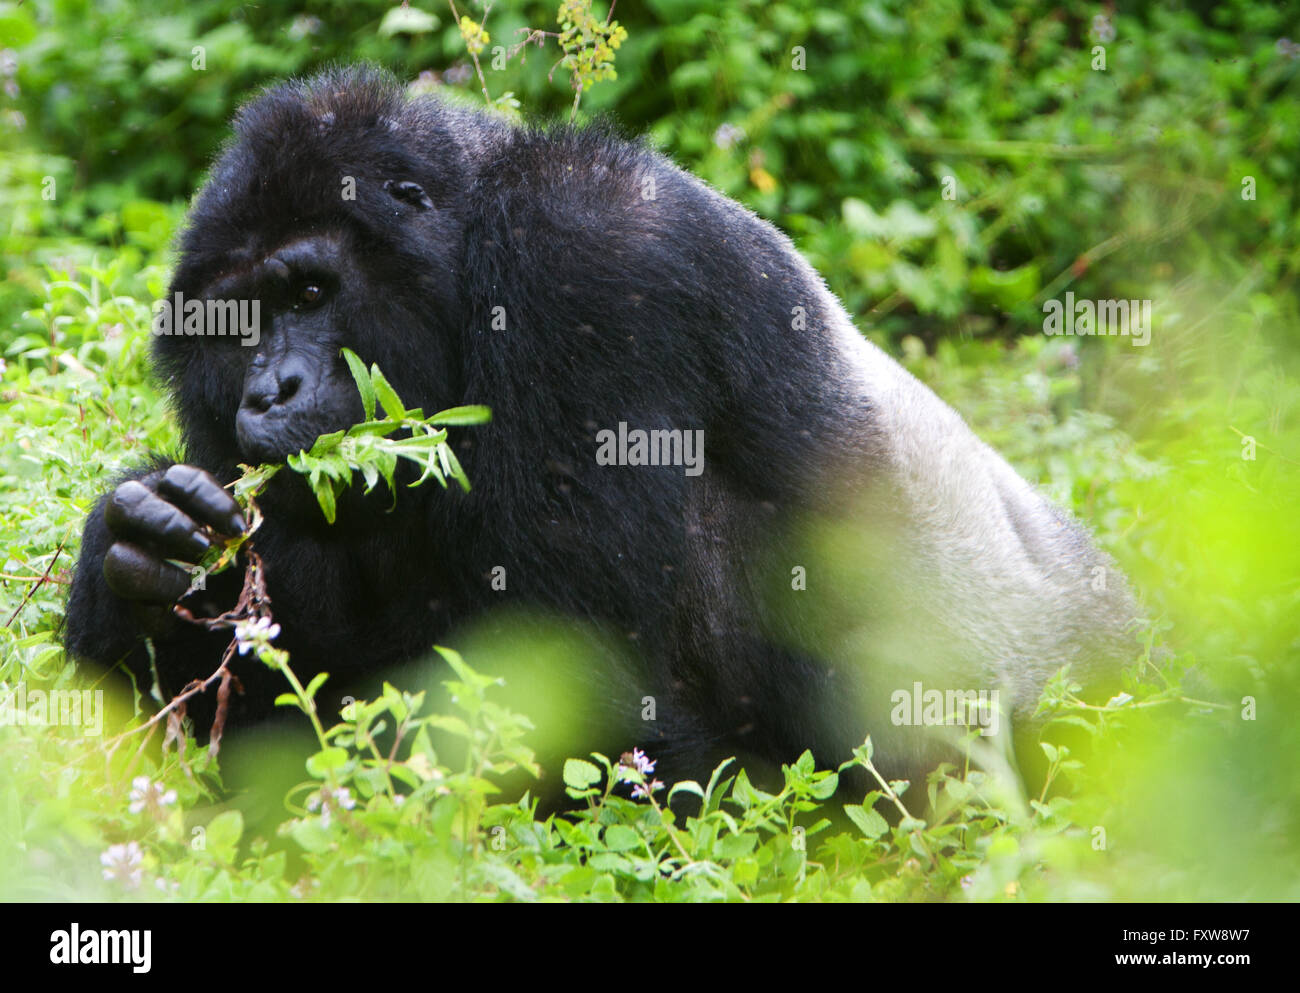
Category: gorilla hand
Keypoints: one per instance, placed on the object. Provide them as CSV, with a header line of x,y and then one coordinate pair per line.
x,y
159,517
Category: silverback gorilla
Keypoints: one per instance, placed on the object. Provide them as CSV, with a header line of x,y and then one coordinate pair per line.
x,y
842,537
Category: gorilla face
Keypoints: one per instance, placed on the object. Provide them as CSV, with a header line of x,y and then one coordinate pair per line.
x,y
295,384
307,240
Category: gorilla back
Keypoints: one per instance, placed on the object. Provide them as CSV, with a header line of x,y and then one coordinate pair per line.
x,y
840,547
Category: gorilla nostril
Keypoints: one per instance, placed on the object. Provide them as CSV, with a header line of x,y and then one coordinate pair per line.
x,y
288,388
259,401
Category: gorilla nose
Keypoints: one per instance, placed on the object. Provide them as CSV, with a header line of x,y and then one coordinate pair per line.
x,y
275,385
275,412
261,397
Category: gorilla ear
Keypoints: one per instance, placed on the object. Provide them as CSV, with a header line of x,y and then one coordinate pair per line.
x,y
408,192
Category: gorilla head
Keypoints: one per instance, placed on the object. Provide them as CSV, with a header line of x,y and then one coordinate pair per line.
x,y
337,209
842,537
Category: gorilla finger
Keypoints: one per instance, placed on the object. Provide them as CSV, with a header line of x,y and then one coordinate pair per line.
x,y
134,574
133,511
203,497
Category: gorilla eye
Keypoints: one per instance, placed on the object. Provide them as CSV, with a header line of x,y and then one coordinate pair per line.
x,y
310,295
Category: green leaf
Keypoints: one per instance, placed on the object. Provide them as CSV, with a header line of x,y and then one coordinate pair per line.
x,y
362,379
311,834
1006,288
396,705
735,846
325,761
579,775
388,469
868,821
620,837
223,834
378,429
453,725
826,787
315,684
326,444
742,792
387,395
370,474
324,489
461,416
454,469
713,793
686,786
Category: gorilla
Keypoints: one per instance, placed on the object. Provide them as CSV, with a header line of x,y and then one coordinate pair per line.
x,y
784,540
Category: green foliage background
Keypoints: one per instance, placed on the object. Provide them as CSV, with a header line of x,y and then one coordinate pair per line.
x,y
1169,175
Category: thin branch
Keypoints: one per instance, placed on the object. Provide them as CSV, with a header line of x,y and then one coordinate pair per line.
x,y
253,602
43,580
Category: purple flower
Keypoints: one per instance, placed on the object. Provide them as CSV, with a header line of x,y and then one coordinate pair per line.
x,y
642,791
633,766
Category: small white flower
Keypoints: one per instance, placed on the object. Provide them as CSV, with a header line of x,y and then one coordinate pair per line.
x,y
123,863
151,796
255,634
302,26
728,135
326,801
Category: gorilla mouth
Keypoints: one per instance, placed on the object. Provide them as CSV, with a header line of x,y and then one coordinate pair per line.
x,y
269,427
260,443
